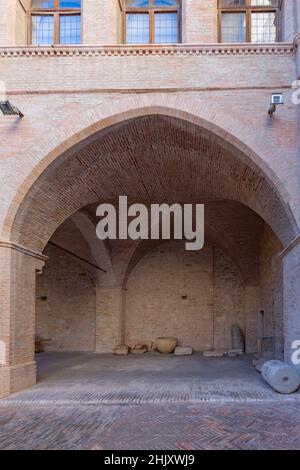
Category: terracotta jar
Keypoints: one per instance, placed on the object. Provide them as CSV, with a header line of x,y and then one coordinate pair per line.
x,y
166,345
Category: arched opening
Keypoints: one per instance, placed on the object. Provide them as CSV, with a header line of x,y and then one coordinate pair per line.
x,y
153,155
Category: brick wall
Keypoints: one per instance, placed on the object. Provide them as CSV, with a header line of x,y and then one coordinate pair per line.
x,y
101,21
153,303
17,319
68,314
272,289
214,297
208,79
7,22
228,300
21,22
109,306
67,317
59,90
200,21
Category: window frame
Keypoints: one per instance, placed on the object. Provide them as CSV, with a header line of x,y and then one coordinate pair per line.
x,y
248,9
151,10
56,12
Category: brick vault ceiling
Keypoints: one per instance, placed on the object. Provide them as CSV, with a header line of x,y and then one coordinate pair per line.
x,y
149,159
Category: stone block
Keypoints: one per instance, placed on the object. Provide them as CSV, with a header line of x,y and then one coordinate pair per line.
x,y
183,351
121,350
214,353
235,352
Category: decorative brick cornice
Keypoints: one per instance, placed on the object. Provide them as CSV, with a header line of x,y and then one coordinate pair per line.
x,y
124,50
23,249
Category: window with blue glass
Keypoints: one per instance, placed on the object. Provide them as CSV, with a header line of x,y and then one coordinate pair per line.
x,y
248,21
55,22
152,21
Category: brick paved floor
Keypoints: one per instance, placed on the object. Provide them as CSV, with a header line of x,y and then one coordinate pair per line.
x,y
92,401
174,426
96,379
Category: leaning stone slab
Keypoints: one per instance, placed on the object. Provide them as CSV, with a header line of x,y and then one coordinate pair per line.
x,y
237,338
214,353
183,351
280,376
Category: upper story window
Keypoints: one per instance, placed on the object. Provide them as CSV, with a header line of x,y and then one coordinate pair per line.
x,y
55,22
151,21
248,21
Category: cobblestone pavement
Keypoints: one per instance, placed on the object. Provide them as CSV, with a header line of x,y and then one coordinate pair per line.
x,y
162,427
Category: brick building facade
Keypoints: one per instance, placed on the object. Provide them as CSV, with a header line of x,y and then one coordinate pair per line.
x,y
148,101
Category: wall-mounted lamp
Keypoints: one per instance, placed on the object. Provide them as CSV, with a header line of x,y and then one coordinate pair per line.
x,y
9,110
276,99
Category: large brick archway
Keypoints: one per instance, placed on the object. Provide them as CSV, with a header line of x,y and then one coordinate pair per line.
x,y
76,131
59,178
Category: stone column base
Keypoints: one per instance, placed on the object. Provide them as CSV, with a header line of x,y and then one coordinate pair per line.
x,y
16,378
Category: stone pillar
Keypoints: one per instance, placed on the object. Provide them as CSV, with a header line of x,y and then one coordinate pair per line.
x,y
17,319
252,304
109,318
291,298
